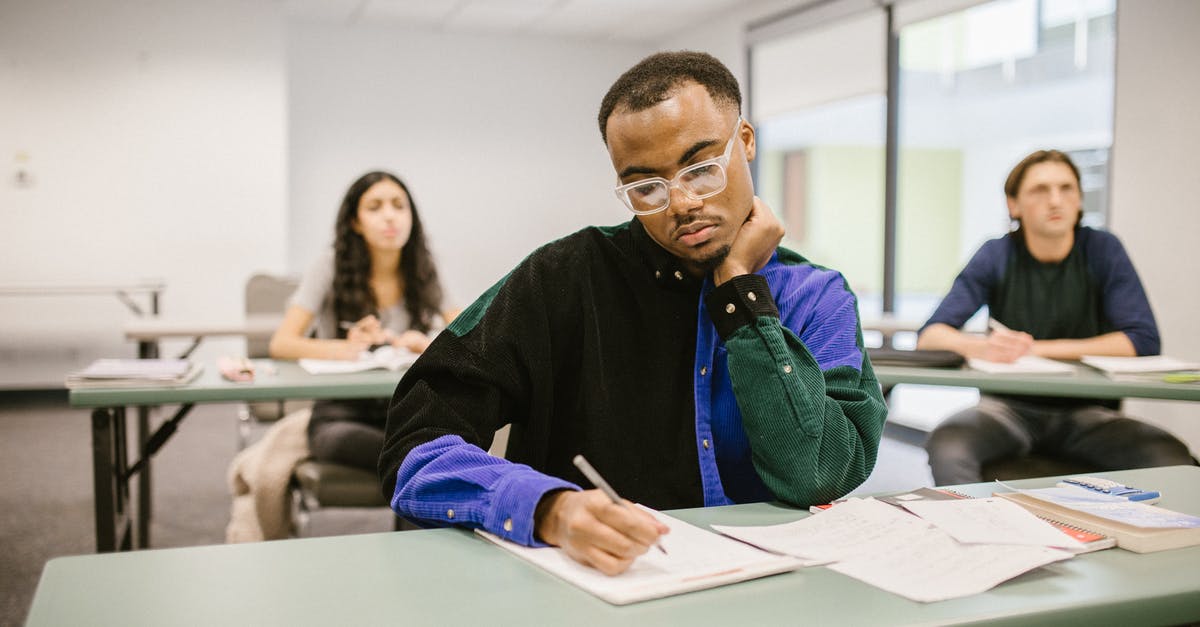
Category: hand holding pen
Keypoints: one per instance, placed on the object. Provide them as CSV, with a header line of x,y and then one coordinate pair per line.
x,y
598,481
594,532
365,333
1005,345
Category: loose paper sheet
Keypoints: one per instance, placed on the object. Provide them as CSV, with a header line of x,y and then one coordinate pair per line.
x,y
991,521
885,547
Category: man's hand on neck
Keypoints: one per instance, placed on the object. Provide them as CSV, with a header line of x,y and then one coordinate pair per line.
x,y
756,241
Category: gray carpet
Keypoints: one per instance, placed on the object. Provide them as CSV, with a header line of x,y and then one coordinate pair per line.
x,y
46,503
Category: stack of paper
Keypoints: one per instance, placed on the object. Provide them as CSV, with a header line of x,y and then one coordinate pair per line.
x,y
134,373
967,547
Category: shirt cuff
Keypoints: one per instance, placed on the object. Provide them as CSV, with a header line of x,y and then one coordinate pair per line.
x,y
513,503
738,302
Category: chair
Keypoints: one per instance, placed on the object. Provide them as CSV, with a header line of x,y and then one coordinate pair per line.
x,y
314,484
265,294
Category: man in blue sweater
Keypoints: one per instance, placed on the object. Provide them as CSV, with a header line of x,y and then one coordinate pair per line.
x,y
1058,290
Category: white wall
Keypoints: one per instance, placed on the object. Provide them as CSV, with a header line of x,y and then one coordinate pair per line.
x,y
1154,207
154,133
495,136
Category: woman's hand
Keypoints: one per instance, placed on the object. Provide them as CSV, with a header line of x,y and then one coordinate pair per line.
x,y
414,341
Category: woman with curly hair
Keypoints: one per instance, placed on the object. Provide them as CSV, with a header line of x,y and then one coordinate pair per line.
x,y
378,285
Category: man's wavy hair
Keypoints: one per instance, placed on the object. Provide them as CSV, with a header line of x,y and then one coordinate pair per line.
x,y
353,297
655,78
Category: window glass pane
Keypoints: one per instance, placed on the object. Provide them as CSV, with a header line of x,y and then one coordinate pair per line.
x,y
819,118
979,89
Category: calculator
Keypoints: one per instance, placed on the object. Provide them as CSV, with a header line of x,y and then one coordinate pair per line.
x,y
1112,488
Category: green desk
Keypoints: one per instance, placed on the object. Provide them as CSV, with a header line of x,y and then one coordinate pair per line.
x,y
1085,382
451,577
112,470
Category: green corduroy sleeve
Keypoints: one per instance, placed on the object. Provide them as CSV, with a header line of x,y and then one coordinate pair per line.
x,y
814,435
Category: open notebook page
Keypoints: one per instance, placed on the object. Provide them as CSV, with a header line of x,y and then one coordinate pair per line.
x,y
696,559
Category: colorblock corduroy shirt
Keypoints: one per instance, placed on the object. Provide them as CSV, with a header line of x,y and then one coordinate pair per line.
x,y
680,393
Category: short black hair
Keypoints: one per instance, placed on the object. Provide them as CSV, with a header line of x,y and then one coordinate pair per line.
x,y
656,77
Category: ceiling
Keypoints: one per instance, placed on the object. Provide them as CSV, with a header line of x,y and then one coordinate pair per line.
x,y
642,21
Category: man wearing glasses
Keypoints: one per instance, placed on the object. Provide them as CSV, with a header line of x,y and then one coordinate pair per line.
x,y
685,355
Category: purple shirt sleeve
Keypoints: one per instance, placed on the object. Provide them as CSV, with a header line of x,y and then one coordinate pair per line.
x,y
447,481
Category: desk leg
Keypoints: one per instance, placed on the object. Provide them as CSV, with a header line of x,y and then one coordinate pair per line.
x,y
111,488
144,509
146,350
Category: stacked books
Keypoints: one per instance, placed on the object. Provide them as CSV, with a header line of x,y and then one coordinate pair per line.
x,y
134,373
1136,526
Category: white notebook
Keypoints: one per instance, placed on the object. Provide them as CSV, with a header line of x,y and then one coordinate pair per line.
x,y
382,358
696,559
1028,364
1134,365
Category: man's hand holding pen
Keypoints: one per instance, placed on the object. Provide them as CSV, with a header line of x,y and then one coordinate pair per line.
x,y
1005,345
594,531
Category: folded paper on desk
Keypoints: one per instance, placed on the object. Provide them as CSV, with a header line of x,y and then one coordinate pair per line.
x,y
890,549
1137,527
695,560
130,373
1027,364
382,358
1089,540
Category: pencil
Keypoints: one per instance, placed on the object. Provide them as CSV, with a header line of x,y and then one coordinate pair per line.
x,y
598,481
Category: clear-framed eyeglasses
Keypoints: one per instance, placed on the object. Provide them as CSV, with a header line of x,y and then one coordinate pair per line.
x,y
698,181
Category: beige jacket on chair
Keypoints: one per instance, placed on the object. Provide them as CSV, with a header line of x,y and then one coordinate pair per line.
x,y
259,479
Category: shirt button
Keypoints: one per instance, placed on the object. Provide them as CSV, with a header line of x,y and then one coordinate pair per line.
x,y
730,308
508,524
751,296
787,368
705,443
703,370
449,513
678,275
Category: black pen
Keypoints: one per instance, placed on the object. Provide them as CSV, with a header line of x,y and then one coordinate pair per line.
x,y
598,481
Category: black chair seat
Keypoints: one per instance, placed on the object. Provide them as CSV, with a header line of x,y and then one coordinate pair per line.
x,y
332,485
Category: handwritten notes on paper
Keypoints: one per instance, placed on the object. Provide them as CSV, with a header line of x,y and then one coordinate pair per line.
x,y
696,559
886,547
991,521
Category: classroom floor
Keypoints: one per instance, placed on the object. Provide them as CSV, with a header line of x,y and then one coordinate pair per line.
x,y
46,504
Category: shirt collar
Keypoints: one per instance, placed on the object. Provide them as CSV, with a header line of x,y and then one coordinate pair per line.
x,y
665,269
